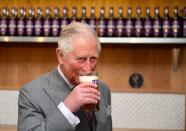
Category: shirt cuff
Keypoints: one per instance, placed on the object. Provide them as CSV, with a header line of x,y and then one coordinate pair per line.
x,y
72,119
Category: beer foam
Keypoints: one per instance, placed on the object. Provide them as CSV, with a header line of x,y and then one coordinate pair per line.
x,y
87,78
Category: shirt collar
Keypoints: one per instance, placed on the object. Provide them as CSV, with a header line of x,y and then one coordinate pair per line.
x,y
63,76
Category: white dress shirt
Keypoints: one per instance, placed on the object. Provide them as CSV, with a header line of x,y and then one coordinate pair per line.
x,y
72,119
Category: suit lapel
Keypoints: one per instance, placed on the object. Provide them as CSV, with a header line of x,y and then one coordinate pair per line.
x,y
57,89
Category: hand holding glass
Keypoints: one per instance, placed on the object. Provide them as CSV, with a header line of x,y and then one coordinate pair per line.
x,y
91,77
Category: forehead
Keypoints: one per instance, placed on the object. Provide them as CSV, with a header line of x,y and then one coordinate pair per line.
x,y
84,44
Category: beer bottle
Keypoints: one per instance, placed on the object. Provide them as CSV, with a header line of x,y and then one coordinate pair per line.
x,y
4,22
74,14
120,23
47,22
65,19
21,24
102,23
92,19
148,23
176,29
38,27
129,27
30,22
83,18
55,22
138,24
184,22
12,28
111,23
157,23
166,22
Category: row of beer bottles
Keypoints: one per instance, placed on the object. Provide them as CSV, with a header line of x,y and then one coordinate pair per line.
x,y
33,23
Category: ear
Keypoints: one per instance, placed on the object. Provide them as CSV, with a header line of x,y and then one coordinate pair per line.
x,y
59,55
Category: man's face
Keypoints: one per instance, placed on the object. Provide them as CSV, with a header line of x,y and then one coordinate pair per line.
x,y
81,60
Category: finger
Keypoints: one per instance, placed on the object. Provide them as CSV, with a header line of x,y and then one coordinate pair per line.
x,y
91,90
89,100
91,96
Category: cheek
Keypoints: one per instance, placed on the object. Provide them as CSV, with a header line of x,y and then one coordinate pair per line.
x,y
93,66
74,69
71,71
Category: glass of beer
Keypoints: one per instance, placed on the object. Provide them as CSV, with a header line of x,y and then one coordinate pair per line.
x,y
91,77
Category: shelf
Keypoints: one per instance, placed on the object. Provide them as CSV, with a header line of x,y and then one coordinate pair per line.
x,y
143,40
32,39
103,40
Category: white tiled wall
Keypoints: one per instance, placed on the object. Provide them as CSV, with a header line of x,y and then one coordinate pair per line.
x,y
129,110
151,111
8,107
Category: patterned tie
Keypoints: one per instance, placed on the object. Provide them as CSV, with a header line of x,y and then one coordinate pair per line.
x,y
89,118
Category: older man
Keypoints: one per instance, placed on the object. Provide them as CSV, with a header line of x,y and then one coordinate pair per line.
x,y
54,101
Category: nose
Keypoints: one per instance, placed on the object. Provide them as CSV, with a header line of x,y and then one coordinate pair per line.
x,y
87,66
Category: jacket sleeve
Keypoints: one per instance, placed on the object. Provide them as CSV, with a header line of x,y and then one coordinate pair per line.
x,y
32,118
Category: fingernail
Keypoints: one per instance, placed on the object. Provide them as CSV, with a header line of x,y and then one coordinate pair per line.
x,y
99,98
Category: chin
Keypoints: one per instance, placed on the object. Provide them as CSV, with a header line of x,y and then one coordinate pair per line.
x,y
75,80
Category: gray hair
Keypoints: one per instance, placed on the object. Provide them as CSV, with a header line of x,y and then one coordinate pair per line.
x,y
71,32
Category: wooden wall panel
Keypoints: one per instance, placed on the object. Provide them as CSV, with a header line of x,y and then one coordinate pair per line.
x,y
153,62
20,64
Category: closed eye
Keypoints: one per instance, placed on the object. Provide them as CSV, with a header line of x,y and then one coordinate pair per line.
x,y
92,59
81,59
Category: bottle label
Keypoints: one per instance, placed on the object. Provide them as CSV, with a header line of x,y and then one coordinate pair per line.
x,y
55,27
29,27
12,27
110,28
184,28
102,28
138,27
147,27
46,27
63,23
92,24
129,28
3,27
156,27
21,27
175,28
38,27
119,28
166,28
